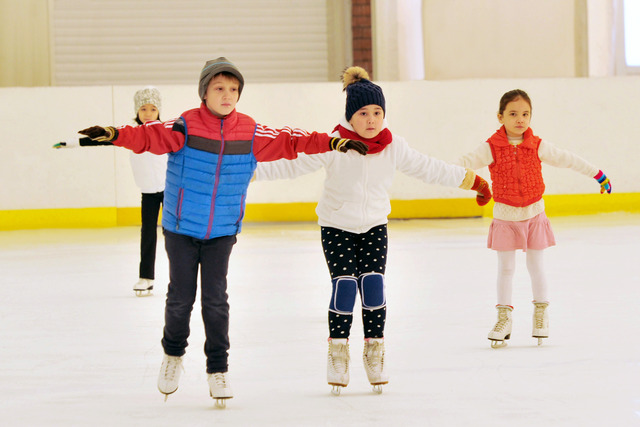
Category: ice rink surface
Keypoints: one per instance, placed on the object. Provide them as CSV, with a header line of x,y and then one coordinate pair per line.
x,y
77,348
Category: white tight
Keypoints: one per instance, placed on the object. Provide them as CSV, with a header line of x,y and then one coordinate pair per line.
x,y
506,269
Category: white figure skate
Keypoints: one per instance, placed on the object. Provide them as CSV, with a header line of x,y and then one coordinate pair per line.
x,y
502,330
338,364
373,358
220,388
143,287
169,376
540,321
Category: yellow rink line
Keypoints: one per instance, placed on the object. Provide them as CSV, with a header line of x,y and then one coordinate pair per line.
x,y
556,205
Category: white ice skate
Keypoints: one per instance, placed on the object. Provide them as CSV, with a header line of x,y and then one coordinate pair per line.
x,y
338,364
143,287
373,358
219,388
169,376
502,330
540,321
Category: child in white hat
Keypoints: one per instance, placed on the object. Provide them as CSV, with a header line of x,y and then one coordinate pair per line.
x,y
149,172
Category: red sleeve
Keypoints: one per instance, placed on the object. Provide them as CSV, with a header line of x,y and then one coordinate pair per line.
x,y
154,137
272,144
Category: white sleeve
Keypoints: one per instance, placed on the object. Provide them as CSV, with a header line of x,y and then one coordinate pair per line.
x,y
560,158
289,169
425,168
478,158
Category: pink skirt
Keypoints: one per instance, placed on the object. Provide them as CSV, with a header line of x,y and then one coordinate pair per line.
x,y
534,233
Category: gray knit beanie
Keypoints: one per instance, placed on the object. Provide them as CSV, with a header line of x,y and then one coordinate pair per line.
x,y
360,91
147,95
216,66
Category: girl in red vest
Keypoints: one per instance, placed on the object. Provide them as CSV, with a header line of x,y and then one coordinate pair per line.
x,y
514,156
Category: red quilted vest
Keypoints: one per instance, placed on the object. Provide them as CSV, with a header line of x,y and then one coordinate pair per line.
x,y
516,171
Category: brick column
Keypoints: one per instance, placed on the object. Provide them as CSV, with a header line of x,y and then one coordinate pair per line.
x,y
361,29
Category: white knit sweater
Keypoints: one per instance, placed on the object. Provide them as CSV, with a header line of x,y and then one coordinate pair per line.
x,y
548,153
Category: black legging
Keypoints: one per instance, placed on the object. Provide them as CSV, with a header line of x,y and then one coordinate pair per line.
x,y
150,208
351,254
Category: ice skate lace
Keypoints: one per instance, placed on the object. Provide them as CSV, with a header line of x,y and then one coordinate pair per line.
x,y
539,315
502,321
220,379
171,368
374,355
339,355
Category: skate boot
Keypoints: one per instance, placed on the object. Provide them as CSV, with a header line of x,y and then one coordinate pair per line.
x,y
338,364
169,375
540,321
373,358
502,330
143,287
219,388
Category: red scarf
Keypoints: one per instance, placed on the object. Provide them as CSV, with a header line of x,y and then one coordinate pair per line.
x,y
376,144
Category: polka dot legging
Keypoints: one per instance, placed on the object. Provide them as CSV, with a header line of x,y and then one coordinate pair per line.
x,y
351,254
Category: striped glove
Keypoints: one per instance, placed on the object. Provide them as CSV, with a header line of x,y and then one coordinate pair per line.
x,y
605,184
98,133
344,144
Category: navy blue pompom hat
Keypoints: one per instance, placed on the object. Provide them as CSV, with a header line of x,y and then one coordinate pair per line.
x,y
360,91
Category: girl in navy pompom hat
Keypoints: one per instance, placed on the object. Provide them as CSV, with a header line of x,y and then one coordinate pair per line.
x,y
352,214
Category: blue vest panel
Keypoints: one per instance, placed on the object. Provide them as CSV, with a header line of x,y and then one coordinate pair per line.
x,y
207,182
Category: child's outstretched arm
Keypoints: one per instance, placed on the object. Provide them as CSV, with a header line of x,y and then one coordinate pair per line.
x,y
289,169
273,144
478,158
75,141
560,158
155,137
436,171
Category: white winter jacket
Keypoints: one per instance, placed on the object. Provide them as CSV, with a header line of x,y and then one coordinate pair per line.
x,y
356,188
149,171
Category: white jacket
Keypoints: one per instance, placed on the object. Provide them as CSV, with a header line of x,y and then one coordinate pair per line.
x,y
149,171
356,188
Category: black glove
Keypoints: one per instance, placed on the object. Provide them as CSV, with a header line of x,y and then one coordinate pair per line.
x,y
98,133
343,144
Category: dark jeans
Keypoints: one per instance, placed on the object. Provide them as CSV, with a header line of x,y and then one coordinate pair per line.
x,y
187,254
150,208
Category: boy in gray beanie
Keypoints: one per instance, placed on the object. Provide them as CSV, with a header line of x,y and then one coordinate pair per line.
x,y
214,67
213,151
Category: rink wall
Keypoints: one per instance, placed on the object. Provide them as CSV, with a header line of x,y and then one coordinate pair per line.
x,y
93,187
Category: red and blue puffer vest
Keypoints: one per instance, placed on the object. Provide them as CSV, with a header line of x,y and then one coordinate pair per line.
x,y
516,171
207,179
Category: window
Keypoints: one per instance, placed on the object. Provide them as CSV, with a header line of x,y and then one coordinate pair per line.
x,y
631,10
628,37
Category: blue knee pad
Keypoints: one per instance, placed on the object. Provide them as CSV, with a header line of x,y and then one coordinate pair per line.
x,y
371,287
343,295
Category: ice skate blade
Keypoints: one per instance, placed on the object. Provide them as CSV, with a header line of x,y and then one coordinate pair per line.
x,y
498,343
221,402
145,293
377,388
166,395
336,389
